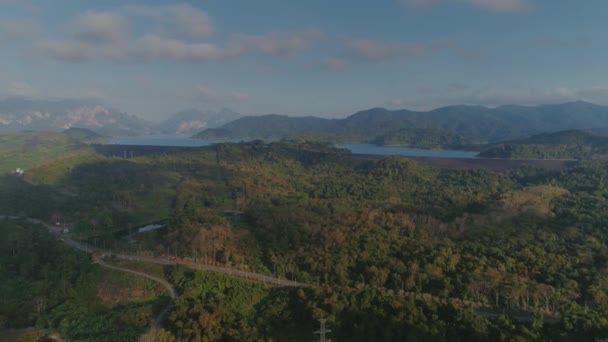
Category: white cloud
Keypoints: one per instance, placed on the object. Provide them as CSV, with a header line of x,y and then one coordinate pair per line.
x,y
181,33
503,6
180,21
150,47
274,43
374,50
100,27
84,51
155,47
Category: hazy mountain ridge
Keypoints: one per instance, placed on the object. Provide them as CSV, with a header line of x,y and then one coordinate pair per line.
x,y
26,114
266,127
472,122
191,121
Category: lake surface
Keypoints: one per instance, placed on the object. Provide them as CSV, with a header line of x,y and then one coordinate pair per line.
x,y
184,140
406,151
166,140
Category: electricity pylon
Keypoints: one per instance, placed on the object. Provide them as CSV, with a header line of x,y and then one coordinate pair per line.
x,y
323,331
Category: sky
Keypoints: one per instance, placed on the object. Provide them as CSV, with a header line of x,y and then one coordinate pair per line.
x,y
316,57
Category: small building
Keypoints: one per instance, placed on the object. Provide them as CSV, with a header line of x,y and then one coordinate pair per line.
x,y
150,227
19,171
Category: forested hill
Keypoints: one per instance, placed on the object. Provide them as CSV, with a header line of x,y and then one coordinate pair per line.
x,y
400,250
81,133
266,127
572,144
472,122
424,138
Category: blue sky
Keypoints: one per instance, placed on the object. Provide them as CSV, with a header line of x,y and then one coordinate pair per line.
x,y
313,57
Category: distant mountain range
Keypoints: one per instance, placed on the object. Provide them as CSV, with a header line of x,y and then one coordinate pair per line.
x,y
17,114
468,123
446,127
194,120
267,127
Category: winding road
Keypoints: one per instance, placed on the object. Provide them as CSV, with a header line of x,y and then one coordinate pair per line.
x,y
99,255
99,260
56,231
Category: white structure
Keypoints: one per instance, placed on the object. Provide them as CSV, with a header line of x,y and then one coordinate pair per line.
x,y
150,227
19,171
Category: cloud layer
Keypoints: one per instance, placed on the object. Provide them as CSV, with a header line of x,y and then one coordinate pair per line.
x,y
504,6
180,21
150,47
178,32
374,50
99,27
183,33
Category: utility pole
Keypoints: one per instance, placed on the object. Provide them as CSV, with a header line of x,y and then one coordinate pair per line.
x,y
217,162
323,331
235,195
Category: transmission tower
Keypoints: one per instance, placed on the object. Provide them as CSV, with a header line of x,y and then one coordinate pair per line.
x,y
323,331
218,164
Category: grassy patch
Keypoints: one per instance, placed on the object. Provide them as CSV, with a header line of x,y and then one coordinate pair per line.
x,y
26,150
118,288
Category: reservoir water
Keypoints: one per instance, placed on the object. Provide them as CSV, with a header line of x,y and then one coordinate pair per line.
x,y
166,140
406,151
184,140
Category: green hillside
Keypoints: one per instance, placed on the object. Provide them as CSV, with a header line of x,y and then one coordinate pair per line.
x,y
430,138
48,288
573,144
29,149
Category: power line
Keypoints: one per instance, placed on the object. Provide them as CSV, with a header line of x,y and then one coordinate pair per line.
x,y
323,331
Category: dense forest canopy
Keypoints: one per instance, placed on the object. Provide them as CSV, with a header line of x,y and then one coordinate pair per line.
x,y
437,252
46,285
432,138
